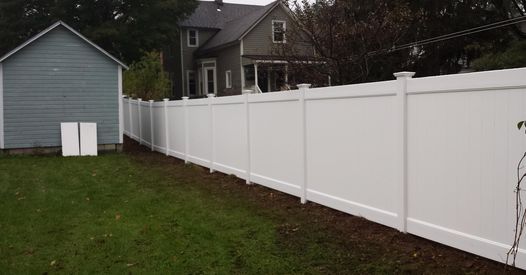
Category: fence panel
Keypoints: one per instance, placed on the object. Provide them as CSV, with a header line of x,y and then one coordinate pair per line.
x,y
275,137
230,136
435,157
463,149
159,135
134,120
176,130
199,132
126,116
352,154
145,124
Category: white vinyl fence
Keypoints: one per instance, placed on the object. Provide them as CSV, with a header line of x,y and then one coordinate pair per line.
x,y
434,156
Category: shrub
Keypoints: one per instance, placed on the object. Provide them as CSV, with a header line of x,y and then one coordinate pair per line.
x,y
146,79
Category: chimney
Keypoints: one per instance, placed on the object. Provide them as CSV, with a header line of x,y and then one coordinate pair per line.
x,y
219,4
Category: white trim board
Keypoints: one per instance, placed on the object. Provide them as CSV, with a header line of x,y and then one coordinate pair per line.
x,y
52,27
121,109
2,141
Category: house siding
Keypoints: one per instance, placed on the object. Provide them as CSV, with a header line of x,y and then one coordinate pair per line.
x,y
188,52
58,78
259,40
228,60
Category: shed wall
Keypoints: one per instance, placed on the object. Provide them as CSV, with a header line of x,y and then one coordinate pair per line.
x,y
58,78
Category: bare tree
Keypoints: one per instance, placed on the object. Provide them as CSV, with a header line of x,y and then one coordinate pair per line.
x,y
342,33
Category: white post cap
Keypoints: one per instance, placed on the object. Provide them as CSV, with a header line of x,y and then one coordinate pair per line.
x,y
151,100
404,74
185,98
210,95
304,86
166,99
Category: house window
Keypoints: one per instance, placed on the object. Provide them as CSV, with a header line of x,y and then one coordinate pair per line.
x,y
191,83
192,37
228,79
278,31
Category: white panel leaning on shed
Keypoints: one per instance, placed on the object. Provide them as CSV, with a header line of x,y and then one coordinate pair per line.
x,y
88,139
70,139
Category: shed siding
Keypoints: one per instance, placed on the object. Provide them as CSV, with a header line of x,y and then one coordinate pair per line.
x,y
58,78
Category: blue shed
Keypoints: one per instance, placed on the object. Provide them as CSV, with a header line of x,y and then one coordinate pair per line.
x,y
58,76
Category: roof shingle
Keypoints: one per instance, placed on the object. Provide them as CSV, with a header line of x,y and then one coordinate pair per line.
x,y
206,14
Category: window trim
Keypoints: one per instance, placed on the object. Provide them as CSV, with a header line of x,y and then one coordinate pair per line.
x,y
228,79
196,38
284,31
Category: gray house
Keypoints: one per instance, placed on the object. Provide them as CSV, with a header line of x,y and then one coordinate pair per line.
x,y
58,76
227,49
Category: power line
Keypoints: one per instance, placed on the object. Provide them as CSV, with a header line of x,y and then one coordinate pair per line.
x,y
444,37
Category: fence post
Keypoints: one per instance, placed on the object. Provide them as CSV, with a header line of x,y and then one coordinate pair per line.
x,y
186,126
130,114
212,141
139,100
402,78
247,116
151,125
303,126
166,130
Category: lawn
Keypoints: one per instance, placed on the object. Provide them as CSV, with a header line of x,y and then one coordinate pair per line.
x,y
141,212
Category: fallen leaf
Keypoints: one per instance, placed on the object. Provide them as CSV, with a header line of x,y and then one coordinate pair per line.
x,y
53,263
130,265
87,198
117,216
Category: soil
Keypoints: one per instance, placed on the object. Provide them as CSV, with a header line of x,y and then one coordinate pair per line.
x,y
410,254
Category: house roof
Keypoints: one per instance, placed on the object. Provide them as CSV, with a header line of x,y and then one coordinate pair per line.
x,y
237,28
234,21
52,27
207,16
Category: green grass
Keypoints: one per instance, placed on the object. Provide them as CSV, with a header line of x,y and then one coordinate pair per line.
x,y
118,214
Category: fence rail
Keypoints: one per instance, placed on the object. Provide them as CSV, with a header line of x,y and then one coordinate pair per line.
x,y
434,156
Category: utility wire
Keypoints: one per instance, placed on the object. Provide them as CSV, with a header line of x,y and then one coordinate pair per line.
x,y
483,28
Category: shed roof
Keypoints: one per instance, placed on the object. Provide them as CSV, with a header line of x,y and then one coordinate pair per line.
x,y
52,27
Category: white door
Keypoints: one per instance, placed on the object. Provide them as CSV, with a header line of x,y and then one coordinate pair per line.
x,y
210,80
